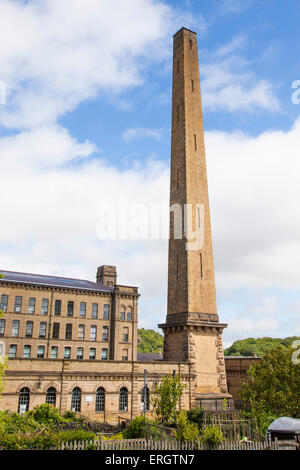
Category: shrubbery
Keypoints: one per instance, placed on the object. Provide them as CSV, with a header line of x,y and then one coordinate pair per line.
x,y
186,430
212,436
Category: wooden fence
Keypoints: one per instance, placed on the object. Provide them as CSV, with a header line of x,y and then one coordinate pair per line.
x,y
148,444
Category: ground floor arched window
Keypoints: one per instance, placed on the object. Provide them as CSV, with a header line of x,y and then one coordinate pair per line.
x,y
76,400
100,399
123,400
51,396
24,398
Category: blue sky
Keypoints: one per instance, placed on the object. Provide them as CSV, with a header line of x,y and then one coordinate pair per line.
x,y
86,121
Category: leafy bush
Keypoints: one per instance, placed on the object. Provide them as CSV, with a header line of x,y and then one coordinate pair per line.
x,y
186,430
115,437
46,415
196,415
212,436
37,440
76,435
15,423
136,428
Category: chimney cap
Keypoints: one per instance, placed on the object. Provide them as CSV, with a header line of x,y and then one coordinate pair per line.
x,y
186,29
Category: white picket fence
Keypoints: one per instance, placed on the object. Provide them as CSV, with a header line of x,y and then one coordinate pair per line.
x,y
148,444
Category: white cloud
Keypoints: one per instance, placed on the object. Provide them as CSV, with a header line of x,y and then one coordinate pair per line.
x,y
236,6
141,133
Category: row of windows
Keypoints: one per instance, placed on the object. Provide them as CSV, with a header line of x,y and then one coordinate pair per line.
x,y
31,308
67,352
24,399
15,329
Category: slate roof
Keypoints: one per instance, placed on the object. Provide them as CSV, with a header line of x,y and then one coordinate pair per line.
x,y
53,281
149,357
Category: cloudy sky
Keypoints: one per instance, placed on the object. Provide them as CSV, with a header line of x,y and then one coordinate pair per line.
x,y
85,93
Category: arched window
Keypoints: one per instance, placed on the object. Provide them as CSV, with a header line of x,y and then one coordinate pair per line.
x,y
51,396
147,399
123,402
24,398
100,399
76,400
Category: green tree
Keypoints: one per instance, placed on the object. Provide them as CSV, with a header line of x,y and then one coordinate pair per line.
x,y
273,389
212,436
186,431
149,341
257,346
165,398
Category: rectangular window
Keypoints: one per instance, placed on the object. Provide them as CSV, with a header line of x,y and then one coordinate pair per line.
x,y
12,351
93,334
57,308
81,331
104,354
82,310
31,305
69,331
45,304
201,266
54,352
43,329
106,312
95,311
29,329
105,333
55,330
193,89
125,355
67,352
122,315
27,351
70,311
125,335
3,304
79,353
41,352
15,328
92,354
18,304
195,141
2,326
129,316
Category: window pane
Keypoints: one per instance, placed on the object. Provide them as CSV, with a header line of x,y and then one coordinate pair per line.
x,y
67,352
24,400
95,311
92,353
104,354
29,329
79,353
129,316
18,304
81,330
45,303
27,351
82,309
2,327
125,355
122,315
54,352
55,331
43,329
70,310
12,351
76,400
123,400
3,304
125,335
57,308
15,328
69,331
105,333
100,399
51,396
93,334
31,305
41,352
106,312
